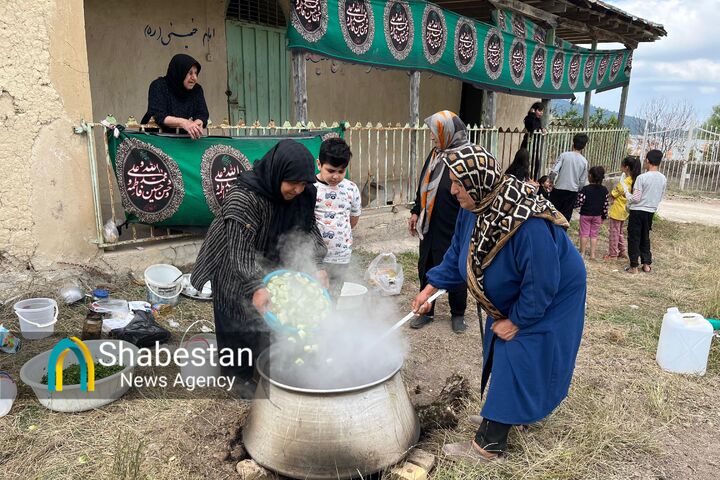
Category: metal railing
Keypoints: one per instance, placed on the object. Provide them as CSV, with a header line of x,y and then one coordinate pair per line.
x,y
386,163
691,157
385,166
606,147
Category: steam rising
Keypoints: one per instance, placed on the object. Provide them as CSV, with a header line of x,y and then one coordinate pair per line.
x,y
347,348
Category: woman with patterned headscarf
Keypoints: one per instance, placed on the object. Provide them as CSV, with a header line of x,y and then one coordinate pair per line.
x,y
435,210
511,250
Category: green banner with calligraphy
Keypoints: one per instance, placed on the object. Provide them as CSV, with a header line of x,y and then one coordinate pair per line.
x,y
169,180
417,35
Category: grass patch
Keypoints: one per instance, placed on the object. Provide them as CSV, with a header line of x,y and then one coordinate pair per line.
x,y
128,458
621,406
591,435
641,331
409,262
623,418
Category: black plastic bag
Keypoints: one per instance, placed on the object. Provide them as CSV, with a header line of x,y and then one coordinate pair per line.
x,y
142,331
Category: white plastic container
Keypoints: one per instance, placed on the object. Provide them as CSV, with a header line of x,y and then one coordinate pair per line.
x,y
352,296
8,393
37,317
164,284
199,347
684,343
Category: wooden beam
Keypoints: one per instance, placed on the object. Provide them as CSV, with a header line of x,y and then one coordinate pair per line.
x,y
414,98
299,86
489,108
414,121
527,10
588,97
544,5
444,3
600,20
595,32
549,40
600,33
623,104
284,6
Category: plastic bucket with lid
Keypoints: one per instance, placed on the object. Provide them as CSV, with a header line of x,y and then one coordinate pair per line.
x,y
352,296
37,317
163,283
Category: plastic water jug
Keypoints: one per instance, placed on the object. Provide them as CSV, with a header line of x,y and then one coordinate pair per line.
x,y
684,343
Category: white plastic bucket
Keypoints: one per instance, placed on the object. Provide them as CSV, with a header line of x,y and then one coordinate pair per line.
x,y
199,351
163,283
352,296
8,393
37,317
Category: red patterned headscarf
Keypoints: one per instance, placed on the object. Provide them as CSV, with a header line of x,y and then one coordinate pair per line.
x,y
450,133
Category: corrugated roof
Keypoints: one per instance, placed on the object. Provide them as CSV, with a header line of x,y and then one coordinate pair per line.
x,y
578,21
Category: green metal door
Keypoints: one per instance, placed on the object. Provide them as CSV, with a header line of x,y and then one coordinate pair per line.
x,y
258,73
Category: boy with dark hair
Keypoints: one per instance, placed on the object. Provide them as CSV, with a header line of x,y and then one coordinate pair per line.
x,y
569,175
337,210
643,201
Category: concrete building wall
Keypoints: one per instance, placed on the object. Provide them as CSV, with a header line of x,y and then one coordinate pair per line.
x,y
131,43
68,60
512,109
45,197
357,93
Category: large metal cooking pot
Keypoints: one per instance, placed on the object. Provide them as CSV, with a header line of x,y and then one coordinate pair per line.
x,y
330,434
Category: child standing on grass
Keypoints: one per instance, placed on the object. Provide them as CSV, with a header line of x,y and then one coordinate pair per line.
x,y
618,210
337,210
643,201
593,203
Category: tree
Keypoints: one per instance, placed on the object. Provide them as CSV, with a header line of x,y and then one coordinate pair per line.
x,y
668,123
713,122
600,119
572,118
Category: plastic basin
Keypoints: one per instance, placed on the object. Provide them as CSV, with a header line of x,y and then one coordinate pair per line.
x,y
71,398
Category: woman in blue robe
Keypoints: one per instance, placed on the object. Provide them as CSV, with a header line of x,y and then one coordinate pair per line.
x,y
511,250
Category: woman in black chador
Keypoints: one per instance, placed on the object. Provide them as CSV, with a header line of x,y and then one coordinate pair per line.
x,y
177,100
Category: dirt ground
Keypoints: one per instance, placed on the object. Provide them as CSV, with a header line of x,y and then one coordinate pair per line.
x,y
686,210
624,417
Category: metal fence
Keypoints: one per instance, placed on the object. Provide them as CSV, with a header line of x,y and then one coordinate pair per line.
x,y
691,157
386,163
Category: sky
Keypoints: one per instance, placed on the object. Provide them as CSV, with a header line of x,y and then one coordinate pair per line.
x,y
683,65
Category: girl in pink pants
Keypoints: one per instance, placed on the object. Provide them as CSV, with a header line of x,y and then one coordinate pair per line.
x,y
618,214
593,203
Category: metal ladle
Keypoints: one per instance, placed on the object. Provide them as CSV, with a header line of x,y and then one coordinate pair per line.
x,y
404,320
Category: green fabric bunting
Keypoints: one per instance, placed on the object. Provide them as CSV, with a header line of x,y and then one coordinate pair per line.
x,y
168,180
417,35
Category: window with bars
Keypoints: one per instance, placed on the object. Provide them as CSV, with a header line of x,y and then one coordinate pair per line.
x,y
262,12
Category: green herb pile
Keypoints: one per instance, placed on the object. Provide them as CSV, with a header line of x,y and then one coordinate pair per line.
x,y
71,374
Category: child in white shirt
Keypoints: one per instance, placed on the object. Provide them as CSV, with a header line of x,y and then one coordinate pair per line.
x,y
337,210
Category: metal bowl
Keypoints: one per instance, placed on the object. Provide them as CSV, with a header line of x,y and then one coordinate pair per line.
x,y
330,433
